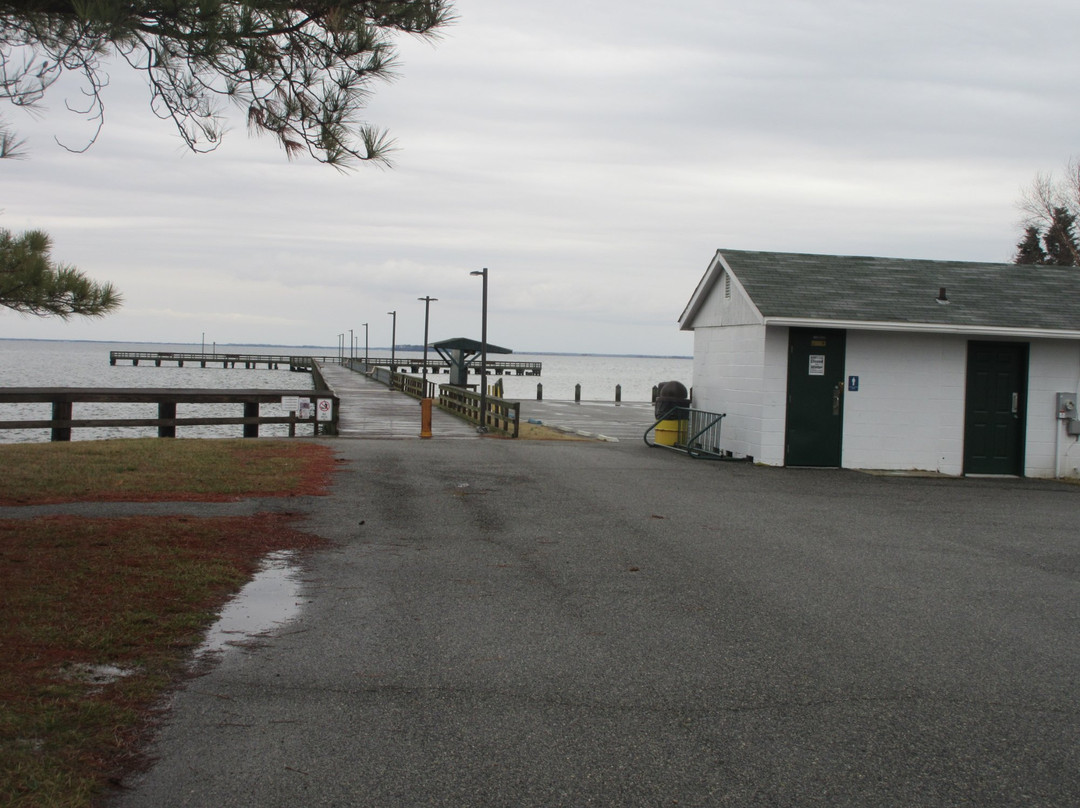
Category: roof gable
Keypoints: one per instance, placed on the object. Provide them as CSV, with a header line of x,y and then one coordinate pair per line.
x,y
859,289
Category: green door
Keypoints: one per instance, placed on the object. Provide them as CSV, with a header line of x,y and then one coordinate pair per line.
x,y
995,407
815,397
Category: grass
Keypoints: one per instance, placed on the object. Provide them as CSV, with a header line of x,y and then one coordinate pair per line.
x,y
126,596
147,469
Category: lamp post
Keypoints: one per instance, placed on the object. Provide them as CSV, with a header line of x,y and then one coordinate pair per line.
x,y
393,339
365,345
352,342
340,346
483,351
427,310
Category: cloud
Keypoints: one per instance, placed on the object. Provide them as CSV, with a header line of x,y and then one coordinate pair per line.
x,y
593,156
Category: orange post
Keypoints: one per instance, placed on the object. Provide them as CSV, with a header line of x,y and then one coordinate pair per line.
x,y
425,418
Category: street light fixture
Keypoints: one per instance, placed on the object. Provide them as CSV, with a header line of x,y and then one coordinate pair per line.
x,y
427,309
483,350
393,339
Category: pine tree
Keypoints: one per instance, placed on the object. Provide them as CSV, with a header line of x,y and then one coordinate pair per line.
x,y
1059,241
31,283
300,69
1029,250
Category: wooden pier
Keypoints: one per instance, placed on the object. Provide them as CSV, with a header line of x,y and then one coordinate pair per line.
x,y
225,360
496,366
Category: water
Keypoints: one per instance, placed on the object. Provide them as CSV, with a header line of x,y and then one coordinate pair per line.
x,y
267,601
32,363
597,375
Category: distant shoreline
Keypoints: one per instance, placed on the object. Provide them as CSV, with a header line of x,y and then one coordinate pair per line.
x,y
331,349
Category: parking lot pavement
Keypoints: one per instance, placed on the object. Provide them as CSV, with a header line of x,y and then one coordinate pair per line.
x,y
531,623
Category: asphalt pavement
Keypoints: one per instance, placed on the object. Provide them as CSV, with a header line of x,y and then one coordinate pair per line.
x,y
513,623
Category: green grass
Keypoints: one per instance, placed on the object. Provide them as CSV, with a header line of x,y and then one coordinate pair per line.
x,y
134,593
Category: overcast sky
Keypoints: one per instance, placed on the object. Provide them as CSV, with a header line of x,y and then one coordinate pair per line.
x,y
593,154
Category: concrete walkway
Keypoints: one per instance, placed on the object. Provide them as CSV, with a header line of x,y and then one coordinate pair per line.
x,y
515,623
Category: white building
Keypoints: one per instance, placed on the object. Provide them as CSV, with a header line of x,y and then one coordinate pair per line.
x,y
880,363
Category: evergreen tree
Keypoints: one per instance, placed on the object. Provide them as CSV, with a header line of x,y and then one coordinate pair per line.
x,y
1029,250
301,69
1059,241
31,283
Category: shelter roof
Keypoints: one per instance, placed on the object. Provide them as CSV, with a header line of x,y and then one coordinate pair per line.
x,y
468,345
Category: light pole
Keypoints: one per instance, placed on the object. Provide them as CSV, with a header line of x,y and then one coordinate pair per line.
x,y
427,310
393,338
340,346
352,342
483,351
365,346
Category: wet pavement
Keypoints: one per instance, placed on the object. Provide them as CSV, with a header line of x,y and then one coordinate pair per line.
x,y
548,623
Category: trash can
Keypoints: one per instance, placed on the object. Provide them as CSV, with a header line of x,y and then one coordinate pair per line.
x,y
672,430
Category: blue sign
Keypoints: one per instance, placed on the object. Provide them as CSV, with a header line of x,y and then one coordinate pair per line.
x,y
853,384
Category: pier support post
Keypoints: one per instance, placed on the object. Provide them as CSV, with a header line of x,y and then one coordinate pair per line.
x,y
618,393
61,411
251,410
166,409
539,391
577,393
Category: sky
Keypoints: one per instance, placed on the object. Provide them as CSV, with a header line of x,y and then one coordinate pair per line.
x,y
592,156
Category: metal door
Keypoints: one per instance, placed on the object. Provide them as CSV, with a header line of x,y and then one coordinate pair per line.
x,y
995,407
815,397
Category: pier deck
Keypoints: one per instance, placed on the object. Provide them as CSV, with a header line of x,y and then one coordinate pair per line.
x,y
369,409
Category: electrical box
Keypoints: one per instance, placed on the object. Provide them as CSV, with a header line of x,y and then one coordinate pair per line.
x,y
1066,407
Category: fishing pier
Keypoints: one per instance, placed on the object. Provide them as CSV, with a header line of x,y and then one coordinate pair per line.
x,y
496,365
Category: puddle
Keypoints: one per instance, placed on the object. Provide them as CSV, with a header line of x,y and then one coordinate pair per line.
x,y
94,675
269,600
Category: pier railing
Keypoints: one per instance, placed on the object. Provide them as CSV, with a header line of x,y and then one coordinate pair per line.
x,y
322,411
499,414
464,402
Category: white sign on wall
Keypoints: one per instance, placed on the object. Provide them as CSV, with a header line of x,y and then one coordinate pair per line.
x,y
817,364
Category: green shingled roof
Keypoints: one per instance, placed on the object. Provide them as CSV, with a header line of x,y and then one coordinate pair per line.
x,y
893,290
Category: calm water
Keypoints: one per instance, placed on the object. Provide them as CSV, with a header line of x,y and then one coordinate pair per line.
x,y
86,364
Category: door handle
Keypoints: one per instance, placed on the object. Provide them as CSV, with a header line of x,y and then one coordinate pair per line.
x,y
1015,405
837,394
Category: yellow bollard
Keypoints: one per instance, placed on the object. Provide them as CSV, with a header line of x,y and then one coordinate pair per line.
x,y
425,418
